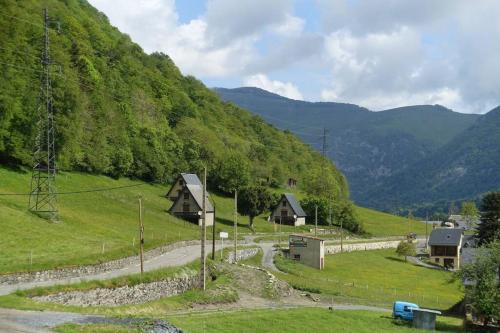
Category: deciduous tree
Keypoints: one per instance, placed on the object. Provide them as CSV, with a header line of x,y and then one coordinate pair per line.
x,y
253,201
406,249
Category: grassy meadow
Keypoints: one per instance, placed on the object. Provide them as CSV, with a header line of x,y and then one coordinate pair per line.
x,y
99,226
380,224
378,277
299,320
278,320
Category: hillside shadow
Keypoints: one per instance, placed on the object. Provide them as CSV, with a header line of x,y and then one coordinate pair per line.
x,y
396,259
230,223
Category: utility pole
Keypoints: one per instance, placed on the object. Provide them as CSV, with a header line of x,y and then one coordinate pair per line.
x,y
426,223
213,237
341,237
235,224
203,232
280,231
316,221
141,235
43,199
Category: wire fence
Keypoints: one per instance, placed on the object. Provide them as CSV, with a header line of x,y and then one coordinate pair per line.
x,y
373,293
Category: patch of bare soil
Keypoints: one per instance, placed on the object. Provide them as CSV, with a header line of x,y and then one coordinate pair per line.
x,y
257,289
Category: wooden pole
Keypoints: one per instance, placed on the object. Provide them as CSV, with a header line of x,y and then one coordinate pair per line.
x,y
235,225
141,235
213,237
204,231
426,222
316,221
341,237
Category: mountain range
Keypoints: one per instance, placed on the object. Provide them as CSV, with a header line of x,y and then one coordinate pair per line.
x,y
417,157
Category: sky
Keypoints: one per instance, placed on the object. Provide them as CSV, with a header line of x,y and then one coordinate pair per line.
x,y
379,54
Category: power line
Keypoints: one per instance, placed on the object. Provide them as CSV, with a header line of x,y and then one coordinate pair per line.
x,y
82,191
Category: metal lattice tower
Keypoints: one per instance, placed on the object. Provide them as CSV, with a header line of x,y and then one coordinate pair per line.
x,y
43,199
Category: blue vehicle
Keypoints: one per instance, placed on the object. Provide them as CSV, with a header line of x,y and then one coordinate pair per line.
x,y
403,310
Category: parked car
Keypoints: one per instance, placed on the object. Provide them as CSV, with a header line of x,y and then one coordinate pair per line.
x,y
403,310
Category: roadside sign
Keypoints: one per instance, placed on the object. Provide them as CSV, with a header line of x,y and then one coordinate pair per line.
x,y
223,234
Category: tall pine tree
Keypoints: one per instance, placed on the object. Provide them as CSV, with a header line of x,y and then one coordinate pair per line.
x,y
489,229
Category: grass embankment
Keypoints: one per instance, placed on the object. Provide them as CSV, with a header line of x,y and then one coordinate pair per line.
x,y
97,226
284,320
378,277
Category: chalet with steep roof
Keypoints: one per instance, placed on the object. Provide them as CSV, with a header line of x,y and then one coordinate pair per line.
x,y
289,211
187,194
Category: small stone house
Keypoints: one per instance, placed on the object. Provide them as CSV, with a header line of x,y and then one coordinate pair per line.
x,y
445,247
308,250
289,211
187,194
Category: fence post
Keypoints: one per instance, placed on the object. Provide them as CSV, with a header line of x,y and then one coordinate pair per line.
x,y
102,247
31,258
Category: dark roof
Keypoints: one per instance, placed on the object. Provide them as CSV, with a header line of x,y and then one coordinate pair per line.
x,y
295,205
197,193
444,236
191,179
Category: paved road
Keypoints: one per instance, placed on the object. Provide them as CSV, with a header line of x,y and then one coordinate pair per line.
x,y
177,257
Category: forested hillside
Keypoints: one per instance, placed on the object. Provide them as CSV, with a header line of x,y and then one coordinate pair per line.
x,y
368,147
464,169
121,112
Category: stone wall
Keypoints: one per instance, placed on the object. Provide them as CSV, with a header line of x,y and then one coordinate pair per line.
x,y
141,293
332,249
82,271
242,254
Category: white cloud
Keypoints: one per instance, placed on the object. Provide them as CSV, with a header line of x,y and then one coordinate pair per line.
x,y
378,53
286,89
291,26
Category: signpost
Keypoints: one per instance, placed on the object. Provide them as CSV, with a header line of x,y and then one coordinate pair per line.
x,y
223,235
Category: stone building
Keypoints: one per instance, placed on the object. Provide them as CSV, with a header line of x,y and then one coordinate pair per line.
x,y
187,194
289,211
308,250
445,247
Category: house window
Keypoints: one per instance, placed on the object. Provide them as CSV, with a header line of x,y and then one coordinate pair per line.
x,y
284,203
186,195
284,213
181,182
296,256
185,207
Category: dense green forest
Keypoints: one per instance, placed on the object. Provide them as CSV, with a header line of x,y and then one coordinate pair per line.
x,y
122,112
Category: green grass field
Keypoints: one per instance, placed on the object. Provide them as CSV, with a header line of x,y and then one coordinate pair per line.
x,y
380,224
94,227
299,320
100,226
272,320
379,277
